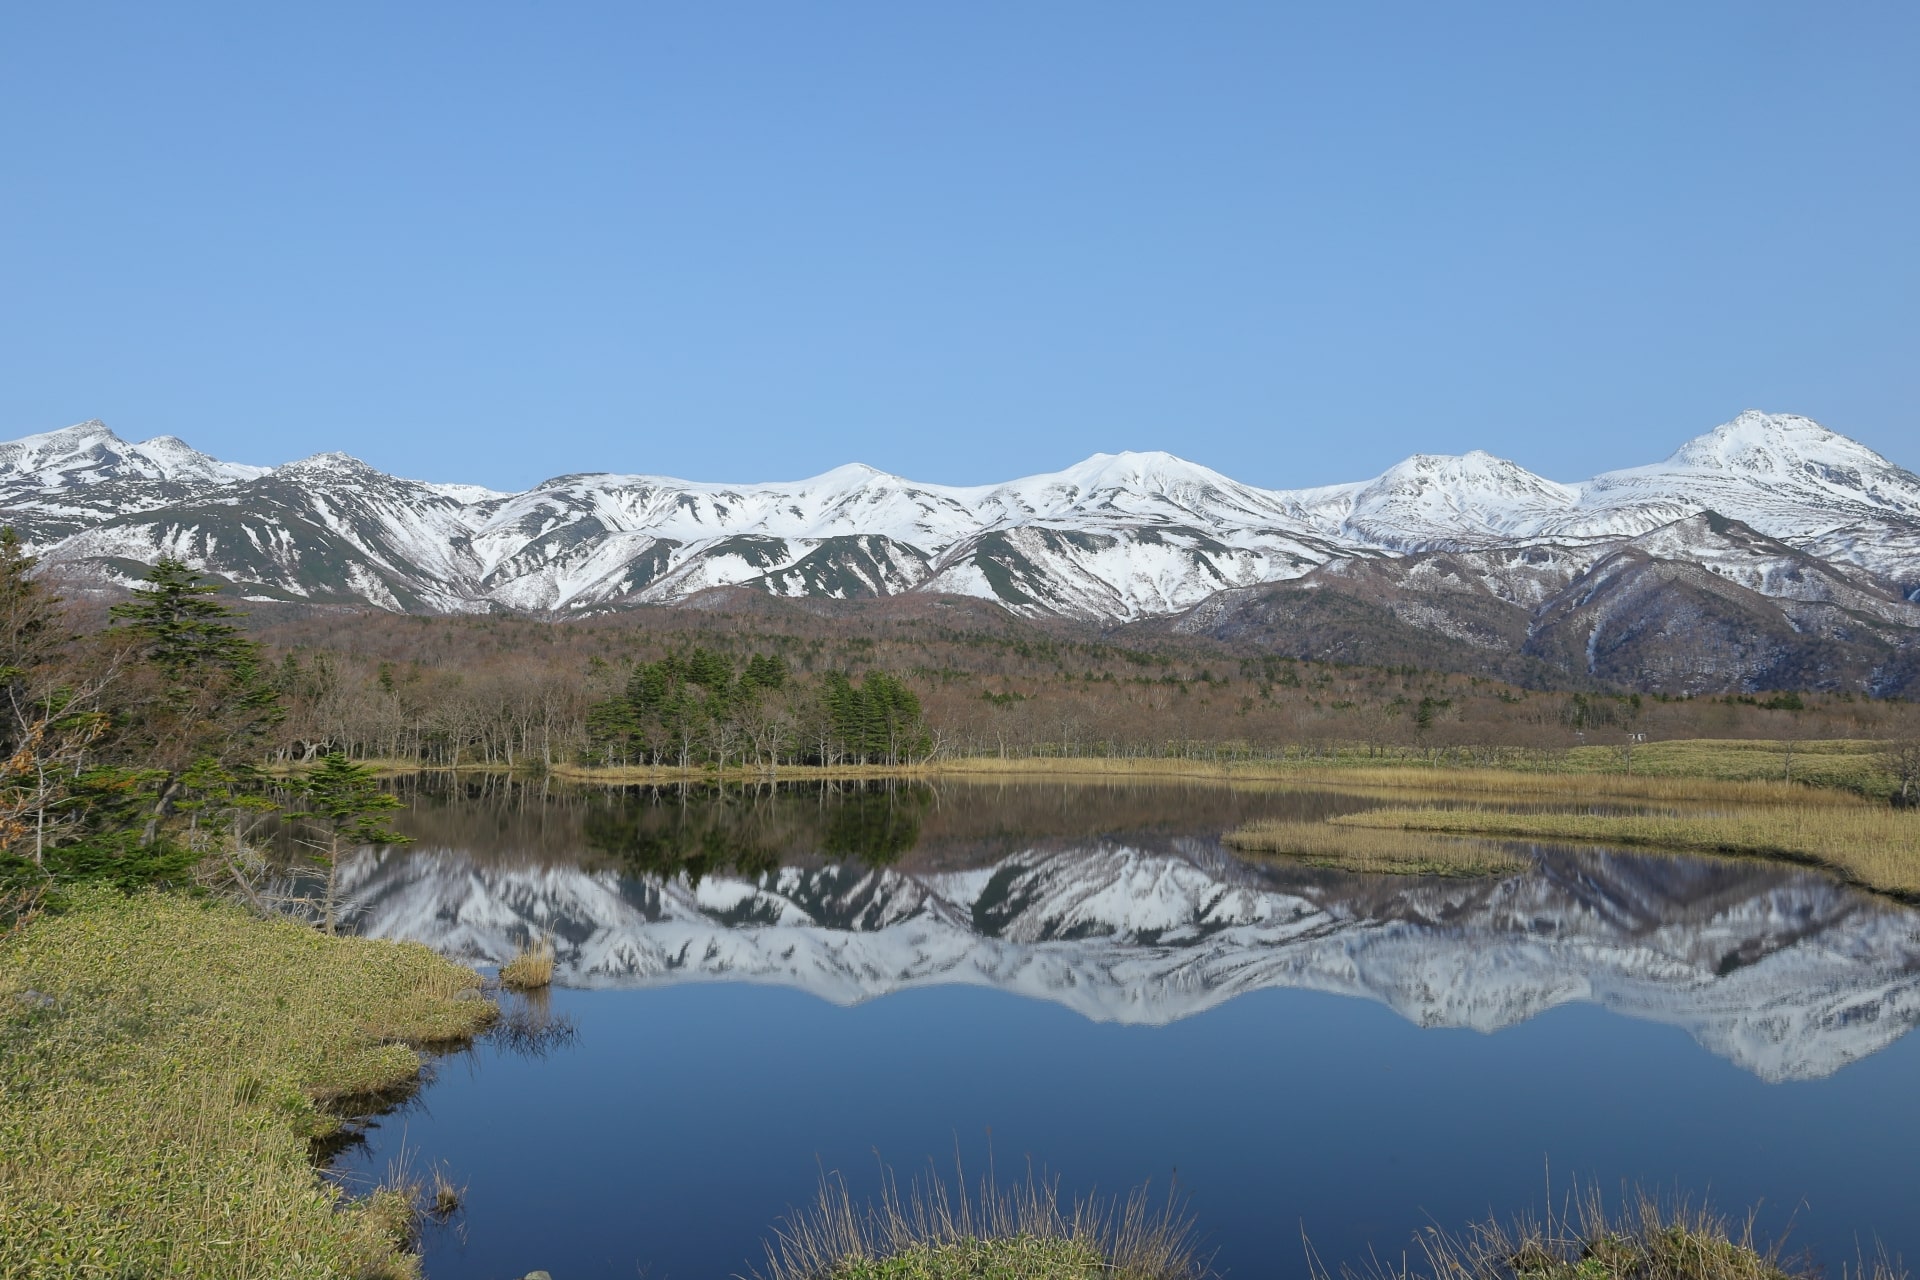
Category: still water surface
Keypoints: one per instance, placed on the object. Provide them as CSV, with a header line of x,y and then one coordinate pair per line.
x,y
765,985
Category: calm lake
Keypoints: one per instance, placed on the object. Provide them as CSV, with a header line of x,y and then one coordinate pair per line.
x,y
754,987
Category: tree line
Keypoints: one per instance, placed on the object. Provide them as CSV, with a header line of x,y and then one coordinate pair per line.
x,y
507,691
139,746
139,740
702,707
130,752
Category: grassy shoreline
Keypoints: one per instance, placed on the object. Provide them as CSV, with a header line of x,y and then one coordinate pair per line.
x,y
1749,771
166,1064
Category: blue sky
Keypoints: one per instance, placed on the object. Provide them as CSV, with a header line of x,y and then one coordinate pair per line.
x,y
961,242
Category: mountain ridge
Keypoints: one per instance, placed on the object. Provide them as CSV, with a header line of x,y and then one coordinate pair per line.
x,y
1115,539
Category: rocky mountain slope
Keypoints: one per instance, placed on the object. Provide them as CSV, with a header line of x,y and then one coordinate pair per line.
x,y
1783,972
1785,552
1700,605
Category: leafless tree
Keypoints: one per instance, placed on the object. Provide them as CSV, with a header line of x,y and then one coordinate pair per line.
x,y
1901,759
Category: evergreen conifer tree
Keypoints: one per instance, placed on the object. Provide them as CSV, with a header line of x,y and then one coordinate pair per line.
x,y
204,697
346,808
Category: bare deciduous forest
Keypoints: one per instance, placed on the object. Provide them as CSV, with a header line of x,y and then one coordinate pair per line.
x,y
507,691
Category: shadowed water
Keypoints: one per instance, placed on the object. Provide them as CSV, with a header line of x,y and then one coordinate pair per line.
x,y
762,984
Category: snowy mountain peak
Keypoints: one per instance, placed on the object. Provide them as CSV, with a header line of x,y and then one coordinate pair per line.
x,y
1788,477
328,464
1151,484
1152,468
1442,499
1116,536
1771,444
847,476
1476,469
89,452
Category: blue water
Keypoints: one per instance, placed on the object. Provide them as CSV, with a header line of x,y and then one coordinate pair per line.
x,y
686,1117
684,1121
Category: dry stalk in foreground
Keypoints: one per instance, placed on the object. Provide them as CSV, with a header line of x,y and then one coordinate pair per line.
x,y
1645,1240
1017,1232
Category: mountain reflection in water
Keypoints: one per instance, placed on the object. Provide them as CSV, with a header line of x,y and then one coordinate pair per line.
x,y
1121,903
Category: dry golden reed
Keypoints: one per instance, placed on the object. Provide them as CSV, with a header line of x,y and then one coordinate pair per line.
x,y
1702,771
531,967
1376,852
1648,1238
934,1231
1874,845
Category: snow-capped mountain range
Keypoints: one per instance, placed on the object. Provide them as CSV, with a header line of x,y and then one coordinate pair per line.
x,y
1784,972
1113,539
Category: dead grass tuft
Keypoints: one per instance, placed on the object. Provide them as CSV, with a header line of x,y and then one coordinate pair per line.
x,y
531,969
444,1196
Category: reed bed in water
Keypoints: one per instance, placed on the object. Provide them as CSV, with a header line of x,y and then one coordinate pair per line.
x,y
1375,852
1579,788
1698,771
164,1067
1549,780
531,968
1557,784
1876,846
1018,1232
1645,1240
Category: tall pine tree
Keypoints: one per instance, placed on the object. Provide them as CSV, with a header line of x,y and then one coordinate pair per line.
x,y
200,695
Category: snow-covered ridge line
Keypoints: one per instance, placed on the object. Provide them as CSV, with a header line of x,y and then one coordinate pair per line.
x,y
1118,536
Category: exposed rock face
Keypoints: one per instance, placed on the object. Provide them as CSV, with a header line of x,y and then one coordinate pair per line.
x,y
1703,604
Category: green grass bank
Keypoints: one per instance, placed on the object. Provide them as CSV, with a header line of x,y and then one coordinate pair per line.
x,y
165,1066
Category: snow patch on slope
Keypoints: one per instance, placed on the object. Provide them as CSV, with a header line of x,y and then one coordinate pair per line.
x,y
1115,537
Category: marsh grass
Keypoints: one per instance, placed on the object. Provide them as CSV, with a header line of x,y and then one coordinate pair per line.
x,y
1577,788
1747,771
1841,764
531,968
1645,1240
407,1199
443,1196
937,1231
1873,845
1375,852
166,1065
